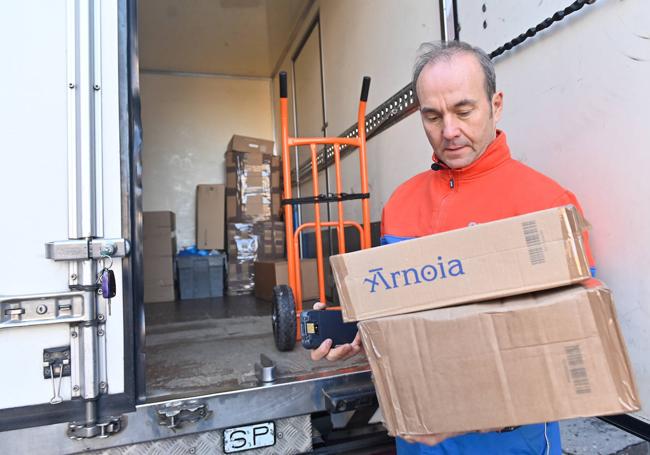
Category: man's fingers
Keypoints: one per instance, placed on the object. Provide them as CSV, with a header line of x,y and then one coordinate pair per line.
x,y
357,341
431,439
322,350
319,306
340,352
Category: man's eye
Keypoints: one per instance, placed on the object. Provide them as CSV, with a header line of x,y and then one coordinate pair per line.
x,y
464,114
433,118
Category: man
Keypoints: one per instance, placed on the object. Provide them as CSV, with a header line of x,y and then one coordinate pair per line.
x,y
473,179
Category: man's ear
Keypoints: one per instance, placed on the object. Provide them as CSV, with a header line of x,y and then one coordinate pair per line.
x,y
497,106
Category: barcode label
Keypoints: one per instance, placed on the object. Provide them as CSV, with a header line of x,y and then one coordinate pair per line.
x,y
534,242
577,370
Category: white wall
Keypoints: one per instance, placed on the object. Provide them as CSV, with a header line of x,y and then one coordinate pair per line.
x,y
187,123
377,38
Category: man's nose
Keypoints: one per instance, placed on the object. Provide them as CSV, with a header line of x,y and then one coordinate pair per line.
x,y
450,128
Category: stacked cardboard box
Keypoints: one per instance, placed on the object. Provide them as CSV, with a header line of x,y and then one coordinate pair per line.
x,y
554,354
210,216
247,243
159,248
271,273
252,209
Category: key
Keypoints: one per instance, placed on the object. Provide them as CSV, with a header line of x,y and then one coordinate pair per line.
x,y
108,284
108,287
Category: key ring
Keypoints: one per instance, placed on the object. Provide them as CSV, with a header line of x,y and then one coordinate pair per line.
x,y
106,256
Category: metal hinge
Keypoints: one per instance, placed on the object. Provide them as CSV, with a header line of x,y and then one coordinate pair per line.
x,y
175,414
74,250
104,429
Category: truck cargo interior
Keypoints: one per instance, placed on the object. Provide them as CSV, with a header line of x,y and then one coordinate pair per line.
x,y
207,72
159,160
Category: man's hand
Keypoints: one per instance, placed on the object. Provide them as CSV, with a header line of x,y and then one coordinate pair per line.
x,y
431,439
342,352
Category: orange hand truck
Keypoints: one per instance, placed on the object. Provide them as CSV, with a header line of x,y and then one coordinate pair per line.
x,y
287,300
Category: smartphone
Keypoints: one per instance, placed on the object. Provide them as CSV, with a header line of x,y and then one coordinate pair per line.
x,y
318,325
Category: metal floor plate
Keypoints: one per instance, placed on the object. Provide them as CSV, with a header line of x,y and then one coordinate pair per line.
x,y
198,347
293,436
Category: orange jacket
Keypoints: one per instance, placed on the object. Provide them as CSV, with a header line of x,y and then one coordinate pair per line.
x,y
493,187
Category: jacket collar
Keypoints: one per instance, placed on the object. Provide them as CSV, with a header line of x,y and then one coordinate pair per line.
x,y
496,154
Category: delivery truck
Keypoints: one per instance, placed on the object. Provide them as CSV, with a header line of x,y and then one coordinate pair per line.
x,y
111,109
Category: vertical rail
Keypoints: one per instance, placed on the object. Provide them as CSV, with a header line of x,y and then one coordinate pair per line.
x,y
297,291
339,189
85,210
286,193
363,164
319,234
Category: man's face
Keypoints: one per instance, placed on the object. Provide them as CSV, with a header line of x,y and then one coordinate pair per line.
x,y
459,120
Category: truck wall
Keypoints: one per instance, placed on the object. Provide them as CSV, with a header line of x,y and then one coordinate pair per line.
x,y
187,122
575,108
376,38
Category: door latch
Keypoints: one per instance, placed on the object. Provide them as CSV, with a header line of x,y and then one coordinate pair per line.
x,y
76,250
56,364
103,429
174,415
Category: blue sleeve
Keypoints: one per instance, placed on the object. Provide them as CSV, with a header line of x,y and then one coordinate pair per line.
x,y
388,239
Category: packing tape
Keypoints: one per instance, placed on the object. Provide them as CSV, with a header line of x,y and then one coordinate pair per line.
x,y
573,226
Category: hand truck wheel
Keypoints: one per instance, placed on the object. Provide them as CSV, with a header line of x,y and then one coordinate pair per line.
x,y
284,318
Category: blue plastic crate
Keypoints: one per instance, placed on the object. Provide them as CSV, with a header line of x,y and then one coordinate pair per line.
x,y
201,276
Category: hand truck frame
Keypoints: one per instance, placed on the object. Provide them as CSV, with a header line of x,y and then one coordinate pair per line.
x,y
287,299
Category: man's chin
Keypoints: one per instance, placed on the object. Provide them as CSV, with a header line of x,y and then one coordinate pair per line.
x,y
459,163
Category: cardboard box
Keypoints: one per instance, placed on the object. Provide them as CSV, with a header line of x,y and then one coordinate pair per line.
x,y
156,293
252,186
160,219
243,241
535,358
210,216
540,250
250,144
158,249
158,242
272,273
159,269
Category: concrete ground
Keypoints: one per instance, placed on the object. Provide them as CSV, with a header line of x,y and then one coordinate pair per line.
x,y
595,437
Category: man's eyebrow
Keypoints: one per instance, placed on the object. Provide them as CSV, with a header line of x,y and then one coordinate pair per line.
x,y
465,103
429,110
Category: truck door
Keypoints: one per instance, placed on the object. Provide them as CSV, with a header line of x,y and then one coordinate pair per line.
x,y
67,349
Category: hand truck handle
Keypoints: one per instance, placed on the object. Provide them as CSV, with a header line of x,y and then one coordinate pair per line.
x,y
283,84
365,87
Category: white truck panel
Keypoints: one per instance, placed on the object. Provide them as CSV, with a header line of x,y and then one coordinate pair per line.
x,y
22,377
34,182
576,102
33,175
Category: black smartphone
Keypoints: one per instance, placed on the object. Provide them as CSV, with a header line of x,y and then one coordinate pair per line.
x,y
318,325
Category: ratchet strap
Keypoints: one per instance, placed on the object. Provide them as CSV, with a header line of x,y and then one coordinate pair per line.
x,y
324,198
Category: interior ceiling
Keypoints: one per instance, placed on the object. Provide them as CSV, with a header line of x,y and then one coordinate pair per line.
x,y
231,37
